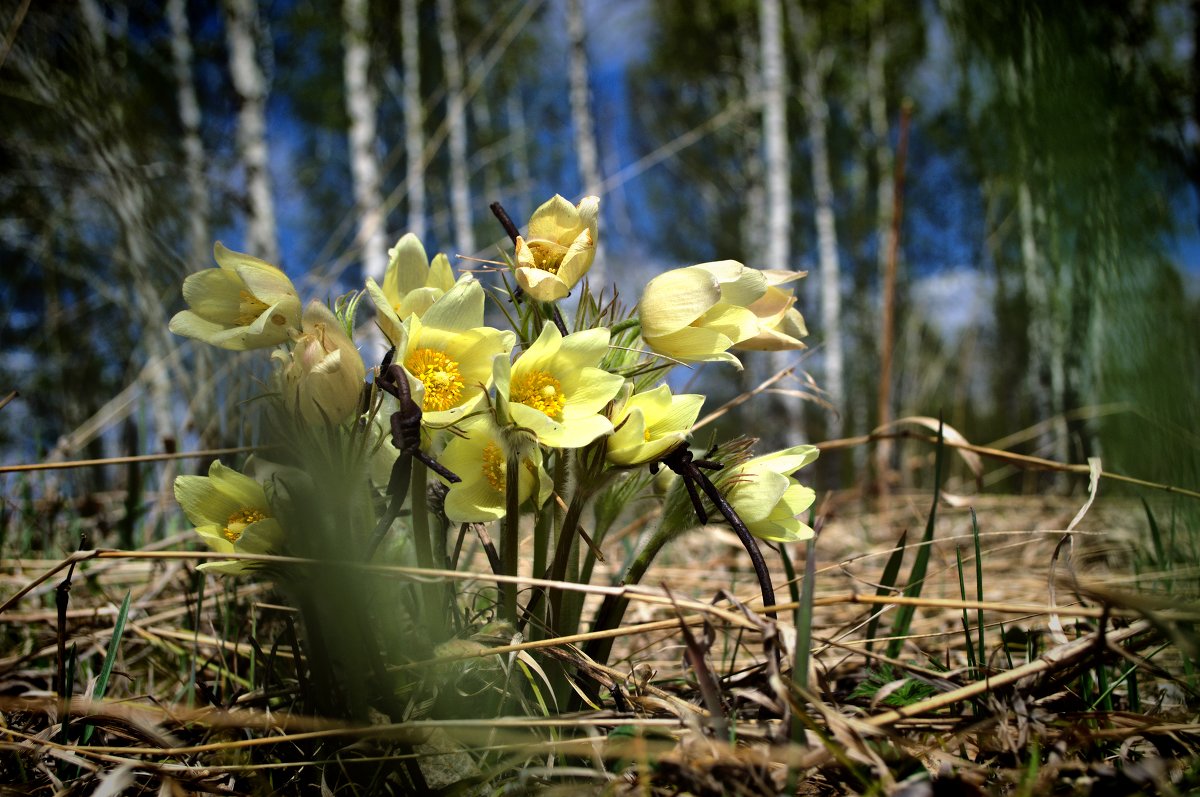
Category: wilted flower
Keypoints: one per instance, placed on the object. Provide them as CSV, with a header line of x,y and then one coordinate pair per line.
x,y
448,353
555,390
696,314
560,248
479,459
244,304
323,374
232,514
780,325
411,284
767,498
650,424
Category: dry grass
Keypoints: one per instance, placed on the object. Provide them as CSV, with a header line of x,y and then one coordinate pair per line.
x,y
204,693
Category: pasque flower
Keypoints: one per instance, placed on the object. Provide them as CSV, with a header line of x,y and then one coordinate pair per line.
x,y
780,325
323,373
411,284
559,249
448,353
231,513
555,389
696,314
244,304
767,498
648,425
479,458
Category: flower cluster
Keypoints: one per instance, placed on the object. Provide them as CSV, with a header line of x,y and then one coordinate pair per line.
x,y
495,405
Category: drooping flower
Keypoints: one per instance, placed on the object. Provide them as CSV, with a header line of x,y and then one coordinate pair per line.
x,y
648,425
322,375
231,513
478,457
246,303
559,249
448,353
780,325
696,314
768,499
555,388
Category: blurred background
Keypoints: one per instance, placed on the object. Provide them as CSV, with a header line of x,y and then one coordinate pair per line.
x,y
996,202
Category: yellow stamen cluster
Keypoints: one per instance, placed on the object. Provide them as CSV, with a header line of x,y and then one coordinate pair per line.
x,y
495,468
546,257
250,308
541,391
441,377
239,520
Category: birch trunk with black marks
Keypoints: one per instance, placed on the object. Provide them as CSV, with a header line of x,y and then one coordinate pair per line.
x,y
414,117
362,108
586,151
250,84
456,122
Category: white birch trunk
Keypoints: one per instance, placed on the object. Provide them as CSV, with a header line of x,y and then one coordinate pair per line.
x,y
414,117
876,82
586,151
362,107
115,158
829,265
456,121
251,86
777,176
199,237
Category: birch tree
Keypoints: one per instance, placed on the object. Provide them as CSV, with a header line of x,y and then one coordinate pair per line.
x,y
362,109
816,62
586,151
414,117
456,121
250,84
199,238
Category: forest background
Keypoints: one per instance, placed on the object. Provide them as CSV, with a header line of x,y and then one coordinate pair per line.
x,y
1030,171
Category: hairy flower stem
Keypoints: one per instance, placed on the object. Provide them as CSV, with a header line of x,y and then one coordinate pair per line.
x,y
567,533
423,547
508,542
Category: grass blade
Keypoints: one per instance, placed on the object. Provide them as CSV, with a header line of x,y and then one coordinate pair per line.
x,y
110,659
887,583
916,578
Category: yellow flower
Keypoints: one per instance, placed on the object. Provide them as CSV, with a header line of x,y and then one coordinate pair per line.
x,y
231,513
479,459
767,498
555,390
448,353
696,314
411,284
244,304
780,325
560,248
650,424
323,373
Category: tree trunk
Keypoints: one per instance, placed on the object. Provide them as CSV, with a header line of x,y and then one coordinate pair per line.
x,y
816,64
777,174
362,107
414,117
251,86
456,121
515,116
876,82
199,237
586,151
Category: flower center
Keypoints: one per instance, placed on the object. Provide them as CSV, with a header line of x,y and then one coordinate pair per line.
x,y
250,307
494,467
547,256
541,391
441,377
239,520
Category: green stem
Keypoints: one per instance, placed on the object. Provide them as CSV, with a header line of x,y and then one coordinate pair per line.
x,y
562,552
621,326
422,546
508,542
